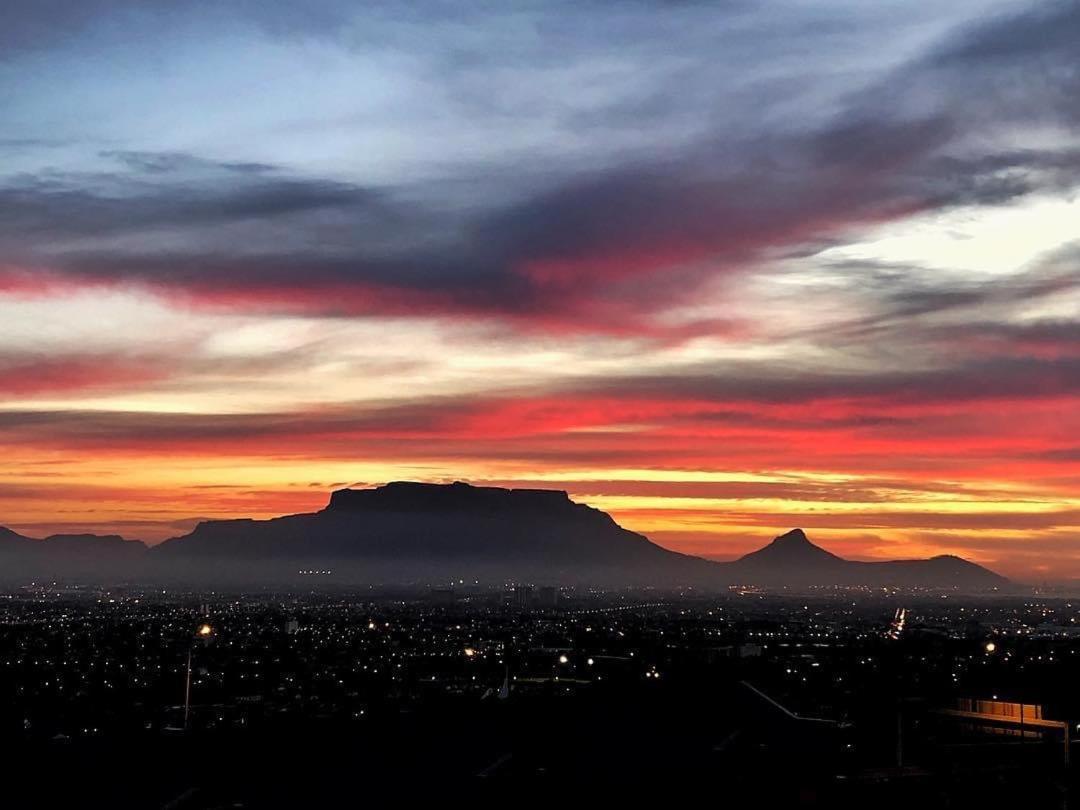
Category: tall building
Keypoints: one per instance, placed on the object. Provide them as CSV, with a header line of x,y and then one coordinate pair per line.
x,y
523,596
442,596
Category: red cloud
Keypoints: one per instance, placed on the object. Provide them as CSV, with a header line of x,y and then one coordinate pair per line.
x,y
22,377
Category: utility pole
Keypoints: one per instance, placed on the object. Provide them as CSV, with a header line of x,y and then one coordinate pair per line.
x,y
187,690
900,735
203,634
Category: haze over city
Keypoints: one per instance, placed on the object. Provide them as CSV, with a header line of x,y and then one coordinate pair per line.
x,y
719,270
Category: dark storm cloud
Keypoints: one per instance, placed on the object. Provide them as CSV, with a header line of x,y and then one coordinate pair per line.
x,y
643,231
169,191
1040,35
178,162
722,199
39,24
1015,67
1001,177
999,378
252,228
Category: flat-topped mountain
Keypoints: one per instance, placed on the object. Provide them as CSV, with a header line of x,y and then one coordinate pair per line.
x,y
410,496
410,531
414,532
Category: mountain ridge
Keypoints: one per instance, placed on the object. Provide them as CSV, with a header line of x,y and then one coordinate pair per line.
x,y
412,531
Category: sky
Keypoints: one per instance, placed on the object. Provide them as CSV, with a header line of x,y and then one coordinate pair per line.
x,y
719,268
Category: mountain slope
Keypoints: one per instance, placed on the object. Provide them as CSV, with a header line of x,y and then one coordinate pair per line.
x,y
86,556
792,552
411,532
791,560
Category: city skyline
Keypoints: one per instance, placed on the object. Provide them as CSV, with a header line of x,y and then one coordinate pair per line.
x,y
718,270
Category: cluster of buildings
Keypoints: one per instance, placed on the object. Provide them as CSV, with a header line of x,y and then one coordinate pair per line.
x,y
77,663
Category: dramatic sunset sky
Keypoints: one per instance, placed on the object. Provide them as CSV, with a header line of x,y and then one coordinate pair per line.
x,y
719,268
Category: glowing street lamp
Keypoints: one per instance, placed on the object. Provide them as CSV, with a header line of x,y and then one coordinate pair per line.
x,y
204,632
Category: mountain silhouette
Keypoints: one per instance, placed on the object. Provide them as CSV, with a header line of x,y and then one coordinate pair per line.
x,y
791,549
792,560
96,557
406,532
413,531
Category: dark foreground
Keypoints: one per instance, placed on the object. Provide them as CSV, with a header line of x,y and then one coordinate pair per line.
x,y
337,700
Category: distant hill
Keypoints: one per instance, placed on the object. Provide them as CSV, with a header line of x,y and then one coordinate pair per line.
x,y
789,554
791,560
412,532
69,556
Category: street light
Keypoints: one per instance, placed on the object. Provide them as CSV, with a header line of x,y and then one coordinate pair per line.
x,y
203,633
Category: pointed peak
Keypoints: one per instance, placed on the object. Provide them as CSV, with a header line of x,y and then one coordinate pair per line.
x,y
792,547
793,537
